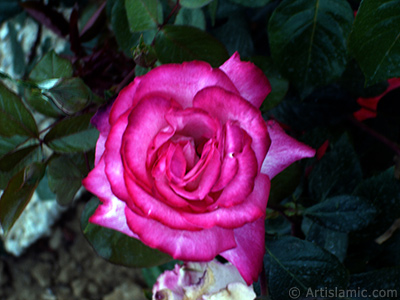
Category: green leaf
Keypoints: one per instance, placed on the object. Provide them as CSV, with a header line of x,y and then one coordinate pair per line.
x,y
331,240
212,10
235,35
15,118
343,213
65,174
8,144
308,40
74,134
194,3
279,85
176,44
42,104
191,17
284,184
383,192
71,95
18,194
252,3
12,162
338,172
277,225
143,14
8,8
385,282
51,66
294,263
43,191
375,39
117,247
120,25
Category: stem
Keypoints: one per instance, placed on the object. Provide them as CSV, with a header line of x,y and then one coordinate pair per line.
x,y
390,144
176,7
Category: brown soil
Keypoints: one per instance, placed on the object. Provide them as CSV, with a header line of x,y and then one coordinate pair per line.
x,y
65,266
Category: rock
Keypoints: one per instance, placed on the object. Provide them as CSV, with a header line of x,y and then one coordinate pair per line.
x,y
48,295
41,272
56,239
78,287
126,291
68,272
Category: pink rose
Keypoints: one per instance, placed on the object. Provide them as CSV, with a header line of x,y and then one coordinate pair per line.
x,y
184,162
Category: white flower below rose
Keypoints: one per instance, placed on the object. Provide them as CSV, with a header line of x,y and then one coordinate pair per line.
x,y
202,281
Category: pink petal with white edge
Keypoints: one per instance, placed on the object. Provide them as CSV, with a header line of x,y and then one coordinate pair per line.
x,y
248,255
284,150
181,82
111,213
202,245
251,82
114,168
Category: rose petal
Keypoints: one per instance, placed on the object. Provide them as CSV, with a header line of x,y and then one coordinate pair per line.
x,y
114,168
226,106
233,144
251,82
236,216
101,122
198,184
248,259
110,213
176,164
153,208
181,82
284,151
144,122
202,245
194,123
125,101
243,183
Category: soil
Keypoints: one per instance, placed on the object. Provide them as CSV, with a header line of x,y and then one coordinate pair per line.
x,y
64,266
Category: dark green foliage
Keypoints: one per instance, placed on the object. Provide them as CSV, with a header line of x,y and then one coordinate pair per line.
x,y
375,39
295,263
176,44
308,40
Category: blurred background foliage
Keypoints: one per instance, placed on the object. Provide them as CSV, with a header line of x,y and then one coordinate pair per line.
x,y
332,221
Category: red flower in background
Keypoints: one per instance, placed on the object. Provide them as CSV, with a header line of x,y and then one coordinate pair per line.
x,y
370,105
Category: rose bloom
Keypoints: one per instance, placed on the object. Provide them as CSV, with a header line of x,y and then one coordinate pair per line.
x,y
202,281
184,162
